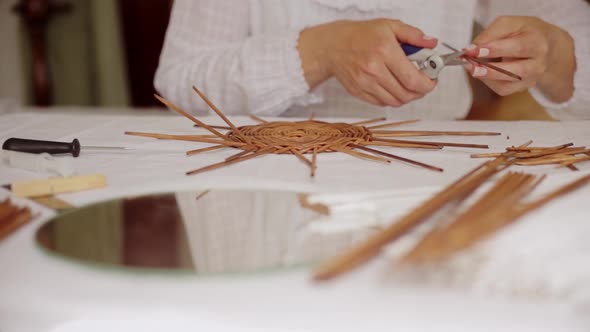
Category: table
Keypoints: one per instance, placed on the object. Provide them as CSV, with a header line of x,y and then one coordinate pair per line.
x,y
37,291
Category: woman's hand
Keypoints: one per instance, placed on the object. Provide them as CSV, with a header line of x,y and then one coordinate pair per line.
x,y
366,58
541,53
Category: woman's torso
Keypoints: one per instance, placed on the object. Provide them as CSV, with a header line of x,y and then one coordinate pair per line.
x,y
449,20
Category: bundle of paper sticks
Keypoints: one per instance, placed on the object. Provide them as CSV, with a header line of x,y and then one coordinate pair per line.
x,y
468,223
565,155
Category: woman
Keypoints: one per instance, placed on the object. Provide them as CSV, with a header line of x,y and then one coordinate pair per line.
x,y
342,57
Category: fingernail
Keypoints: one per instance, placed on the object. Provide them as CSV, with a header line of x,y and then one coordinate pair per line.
x,y
483,52
480,72
471,47
427,37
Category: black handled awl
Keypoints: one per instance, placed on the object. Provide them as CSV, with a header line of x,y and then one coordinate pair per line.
x,y
52,147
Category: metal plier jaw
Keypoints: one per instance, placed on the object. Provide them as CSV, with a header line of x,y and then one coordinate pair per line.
x,y
429,61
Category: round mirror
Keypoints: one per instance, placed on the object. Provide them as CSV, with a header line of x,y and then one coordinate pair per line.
x,y
207,232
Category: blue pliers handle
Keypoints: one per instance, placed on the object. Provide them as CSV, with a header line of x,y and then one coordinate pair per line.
x,y
429,61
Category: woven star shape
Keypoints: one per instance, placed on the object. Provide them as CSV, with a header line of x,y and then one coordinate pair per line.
x,y
308,138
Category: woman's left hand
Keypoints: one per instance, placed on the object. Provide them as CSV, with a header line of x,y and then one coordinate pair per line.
x,y
539,52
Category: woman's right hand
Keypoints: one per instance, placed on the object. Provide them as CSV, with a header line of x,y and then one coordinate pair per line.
x,y
366,58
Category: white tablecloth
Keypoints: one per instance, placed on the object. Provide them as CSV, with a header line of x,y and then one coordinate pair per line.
x,y
37,291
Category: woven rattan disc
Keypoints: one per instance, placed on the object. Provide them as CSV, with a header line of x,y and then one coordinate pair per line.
x,y
308,135
362,139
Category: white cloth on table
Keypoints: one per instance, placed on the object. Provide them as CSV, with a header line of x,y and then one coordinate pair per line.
x,y
53,292
243,54
161,164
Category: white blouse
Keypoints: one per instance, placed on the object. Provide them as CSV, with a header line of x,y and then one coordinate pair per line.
x,y
243,54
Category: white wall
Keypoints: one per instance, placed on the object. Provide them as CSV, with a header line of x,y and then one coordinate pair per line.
x,y
11,81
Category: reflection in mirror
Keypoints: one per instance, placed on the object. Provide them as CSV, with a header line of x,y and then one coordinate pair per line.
x,y
216,231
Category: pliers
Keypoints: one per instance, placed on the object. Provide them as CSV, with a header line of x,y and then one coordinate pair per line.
x,y
430,62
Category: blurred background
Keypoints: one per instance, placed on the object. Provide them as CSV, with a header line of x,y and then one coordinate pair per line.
x,y
103,54
81,52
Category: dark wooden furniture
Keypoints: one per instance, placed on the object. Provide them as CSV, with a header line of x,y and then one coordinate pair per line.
x,y
144,27
36,14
